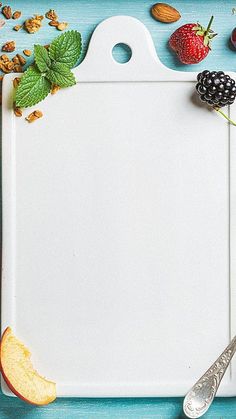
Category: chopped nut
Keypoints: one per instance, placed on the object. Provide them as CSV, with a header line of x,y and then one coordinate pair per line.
x,y
54,23
7,12
16,82
34,24
33,116
51,14
21,59
17,68
27,52
4,58
17,27
38,113
54,89
9,46
16,60
39,17
17,111
62,26
16,14
7,67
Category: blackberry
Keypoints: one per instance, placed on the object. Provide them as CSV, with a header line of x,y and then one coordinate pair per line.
x,y
216,88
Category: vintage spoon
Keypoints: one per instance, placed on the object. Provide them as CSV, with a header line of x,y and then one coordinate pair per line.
x,y
199,398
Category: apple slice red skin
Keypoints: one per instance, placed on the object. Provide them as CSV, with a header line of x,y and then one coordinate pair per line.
x,y
10,386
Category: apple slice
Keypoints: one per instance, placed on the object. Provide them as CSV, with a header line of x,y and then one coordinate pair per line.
x,y
19,374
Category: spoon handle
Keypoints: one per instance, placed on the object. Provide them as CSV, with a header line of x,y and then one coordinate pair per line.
x,y
199,398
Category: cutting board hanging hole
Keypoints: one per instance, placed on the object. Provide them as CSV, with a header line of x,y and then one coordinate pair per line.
x,y
121,53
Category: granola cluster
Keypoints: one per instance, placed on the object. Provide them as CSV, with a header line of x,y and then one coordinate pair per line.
x,y
17,63
33,24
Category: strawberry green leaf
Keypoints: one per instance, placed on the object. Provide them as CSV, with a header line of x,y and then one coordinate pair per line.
x,y
61,75
33,88
42,58
66,48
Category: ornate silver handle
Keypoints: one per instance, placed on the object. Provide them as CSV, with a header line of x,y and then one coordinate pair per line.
x,y
199,398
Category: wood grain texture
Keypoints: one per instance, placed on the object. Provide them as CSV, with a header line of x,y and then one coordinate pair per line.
x,y
84,15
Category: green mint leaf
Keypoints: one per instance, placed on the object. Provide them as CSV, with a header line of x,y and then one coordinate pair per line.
x,y
61,75
33,88
66,48
42,58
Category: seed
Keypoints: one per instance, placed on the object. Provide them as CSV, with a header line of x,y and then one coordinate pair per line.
x,y
62,26
54,89
7,12
17,27
21,59
33,116
16,82
9,46
27,52
51,14
16,14
54,23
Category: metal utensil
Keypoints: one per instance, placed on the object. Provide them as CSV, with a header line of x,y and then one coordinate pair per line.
x,y
199,398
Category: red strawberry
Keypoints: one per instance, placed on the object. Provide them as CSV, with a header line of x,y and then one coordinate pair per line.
x,y
191,42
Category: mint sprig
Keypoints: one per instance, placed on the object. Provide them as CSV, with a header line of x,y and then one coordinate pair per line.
x,y
61,75
50,67
41,58
66,48
33,88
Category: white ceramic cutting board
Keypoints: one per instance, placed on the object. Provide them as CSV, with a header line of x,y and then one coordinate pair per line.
x,y
119,226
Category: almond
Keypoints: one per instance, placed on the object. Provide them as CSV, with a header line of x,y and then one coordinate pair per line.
x,y
9,46
165,13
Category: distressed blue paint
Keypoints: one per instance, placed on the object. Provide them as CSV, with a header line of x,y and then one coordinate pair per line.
x,y
84,15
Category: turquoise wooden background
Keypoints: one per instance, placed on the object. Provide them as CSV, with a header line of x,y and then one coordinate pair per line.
x,y
84,15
